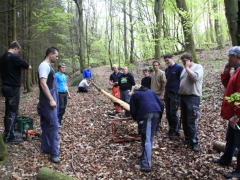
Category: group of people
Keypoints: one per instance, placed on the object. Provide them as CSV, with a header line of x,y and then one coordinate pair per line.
x,y
176,87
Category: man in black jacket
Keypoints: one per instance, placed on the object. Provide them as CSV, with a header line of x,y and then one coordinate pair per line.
x,y
10,72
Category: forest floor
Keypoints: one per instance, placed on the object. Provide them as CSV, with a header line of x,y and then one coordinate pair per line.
x,y
86,147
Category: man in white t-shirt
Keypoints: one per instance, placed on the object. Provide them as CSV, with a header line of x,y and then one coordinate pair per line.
x,y
48,103
83,85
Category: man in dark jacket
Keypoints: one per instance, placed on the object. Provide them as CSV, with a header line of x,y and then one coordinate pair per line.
x,y
145,107
230,112
10,72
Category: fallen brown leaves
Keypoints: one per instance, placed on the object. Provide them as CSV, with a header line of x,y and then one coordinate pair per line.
x,y
87,150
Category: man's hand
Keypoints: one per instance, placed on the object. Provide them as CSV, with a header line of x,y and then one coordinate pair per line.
x,y
29,67
161,97
227,68
187,64
53,104
233,121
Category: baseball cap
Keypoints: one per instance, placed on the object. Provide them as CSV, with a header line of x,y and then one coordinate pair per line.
x,y
234,50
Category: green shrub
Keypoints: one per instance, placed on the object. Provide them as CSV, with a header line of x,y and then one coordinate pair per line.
x,y
76,80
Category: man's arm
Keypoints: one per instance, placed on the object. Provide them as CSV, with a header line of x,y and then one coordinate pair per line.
x,y
163,82
45,89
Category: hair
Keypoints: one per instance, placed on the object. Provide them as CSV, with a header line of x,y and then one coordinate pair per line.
x,y
61,65
136,87
14,45
167,56
145,69
187,56
51,50
155,61
113,66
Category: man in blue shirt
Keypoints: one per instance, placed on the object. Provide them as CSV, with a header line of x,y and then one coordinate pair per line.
x,y
63,92
87,73
171,97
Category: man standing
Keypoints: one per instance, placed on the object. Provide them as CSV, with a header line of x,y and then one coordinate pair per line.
x,y
126,84
63,92
48,101
87,73
10,72
158,83
171,98
145,108
113,80
230,112
190,91
146,81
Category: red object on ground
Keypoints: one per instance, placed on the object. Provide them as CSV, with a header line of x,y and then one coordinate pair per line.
x,y
116,93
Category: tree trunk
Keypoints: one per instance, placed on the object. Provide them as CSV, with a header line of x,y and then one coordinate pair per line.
x,y
217,25
125,31
158,27
220,146
231,11
79,4
14,21
187,28
131,32
111,31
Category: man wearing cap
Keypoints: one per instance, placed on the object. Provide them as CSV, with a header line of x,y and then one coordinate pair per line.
x,y
145,107
190,91
230,112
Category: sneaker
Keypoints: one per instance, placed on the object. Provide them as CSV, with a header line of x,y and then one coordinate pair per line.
x,y
143,169
231,175
46,152
175,134
59,132
54,159
218,161
196,147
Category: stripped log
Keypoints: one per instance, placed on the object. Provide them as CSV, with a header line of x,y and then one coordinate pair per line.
x,y
220,147
112,98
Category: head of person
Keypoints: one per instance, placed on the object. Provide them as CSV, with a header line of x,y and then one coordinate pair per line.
x,y
125,70
137,87
156,65
89,67
61,67
145,72
52,54
186,57
115,68
234,56
168,58
14,47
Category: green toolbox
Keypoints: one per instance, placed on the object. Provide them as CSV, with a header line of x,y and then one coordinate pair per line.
x,y
23,123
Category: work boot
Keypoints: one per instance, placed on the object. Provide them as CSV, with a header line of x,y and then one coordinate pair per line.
x,y
218,161
143,169
231,175
55,159
14,140
196,147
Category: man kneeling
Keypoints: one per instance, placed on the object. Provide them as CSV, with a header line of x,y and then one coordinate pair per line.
x,y
145,107
83,85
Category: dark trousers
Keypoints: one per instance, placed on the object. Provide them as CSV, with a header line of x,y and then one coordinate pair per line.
x,y
12,96
126,98
171,104
233,142
189,114
62,97
147,127
82,89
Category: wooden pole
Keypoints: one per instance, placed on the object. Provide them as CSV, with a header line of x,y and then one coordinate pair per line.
x,y
112,98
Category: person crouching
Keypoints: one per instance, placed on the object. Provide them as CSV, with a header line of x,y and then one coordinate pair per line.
x,y
83,85
145,107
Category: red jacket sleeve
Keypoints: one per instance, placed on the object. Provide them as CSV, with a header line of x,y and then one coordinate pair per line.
x,y
225,79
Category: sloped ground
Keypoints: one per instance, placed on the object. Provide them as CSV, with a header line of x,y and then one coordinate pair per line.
x,y
87,150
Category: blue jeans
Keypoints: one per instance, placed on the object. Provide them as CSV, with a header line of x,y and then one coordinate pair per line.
x,y
189,115
233,142
62,105
171,104
147,128
126,98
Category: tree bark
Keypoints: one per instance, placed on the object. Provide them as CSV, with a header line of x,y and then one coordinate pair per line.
x,y
14,21
125,31
231,12
217,25
187,28
158,27
131,32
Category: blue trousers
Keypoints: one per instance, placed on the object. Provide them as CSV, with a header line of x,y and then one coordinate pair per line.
x,y
49,125
147,128
233,143
126,98
171,104
62,97
189,114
